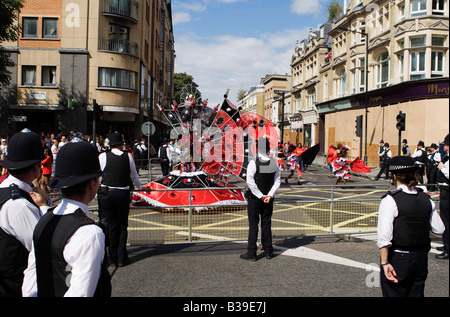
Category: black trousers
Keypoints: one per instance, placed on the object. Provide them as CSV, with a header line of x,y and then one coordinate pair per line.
x,y
115,208
384,169
165,164
443,211
412,272
256,209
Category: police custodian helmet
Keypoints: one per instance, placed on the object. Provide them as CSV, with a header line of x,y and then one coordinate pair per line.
x,y
24,149
75,164
402,164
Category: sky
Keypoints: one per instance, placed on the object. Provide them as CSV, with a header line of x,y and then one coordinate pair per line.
x,y
232,44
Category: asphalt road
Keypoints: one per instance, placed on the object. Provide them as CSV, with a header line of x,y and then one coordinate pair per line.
x,y
180,277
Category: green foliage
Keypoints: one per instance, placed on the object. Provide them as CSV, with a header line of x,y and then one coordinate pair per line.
x,y
180,81
9,31
334,9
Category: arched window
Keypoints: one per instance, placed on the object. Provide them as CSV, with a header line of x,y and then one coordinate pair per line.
x,y
382,69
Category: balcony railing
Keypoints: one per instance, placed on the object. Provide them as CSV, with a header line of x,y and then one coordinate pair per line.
x,y
119,46
128,9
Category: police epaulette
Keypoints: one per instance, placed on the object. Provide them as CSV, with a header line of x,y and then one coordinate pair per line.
x,y
392,192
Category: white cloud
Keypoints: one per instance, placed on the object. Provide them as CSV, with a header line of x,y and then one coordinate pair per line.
x,y
181,17
303,7
234,62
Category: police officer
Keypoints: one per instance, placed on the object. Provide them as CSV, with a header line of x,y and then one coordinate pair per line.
x,y
21,207
119,175
380,152
405,217
433,159
420,157
263,179
68,253
405,148
165,157
385,157
443,183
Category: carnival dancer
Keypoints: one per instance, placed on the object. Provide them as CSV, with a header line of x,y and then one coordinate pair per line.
x,y
292,164
341,169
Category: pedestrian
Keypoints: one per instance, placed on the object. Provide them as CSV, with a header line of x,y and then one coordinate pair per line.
x,y
54,150
21,207
405,217
420,157
263,179
443,183
405,148
385,158
119,175
3,150
68,254
165,157
46,171
433,160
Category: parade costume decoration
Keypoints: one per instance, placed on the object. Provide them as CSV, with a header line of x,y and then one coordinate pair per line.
x,y
341,167
216,143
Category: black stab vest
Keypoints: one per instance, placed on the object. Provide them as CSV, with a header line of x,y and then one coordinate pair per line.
x,y
50,237
265,175
117,170
441,178
13,254
412,225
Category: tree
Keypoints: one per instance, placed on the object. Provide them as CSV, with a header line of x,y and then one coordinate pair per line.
x,y
9,31
180,81
334,9
241,94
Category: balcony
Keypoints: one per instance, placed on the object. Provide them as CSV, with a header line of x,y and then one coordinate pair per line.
x,y
119,46
126,9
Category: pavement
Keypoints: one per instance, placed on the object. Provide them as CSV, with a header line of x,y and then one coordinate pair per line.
x,y
197,276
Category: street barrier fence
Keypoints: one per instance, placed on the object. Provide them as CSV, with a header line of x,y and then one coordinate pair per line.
x,y
332,215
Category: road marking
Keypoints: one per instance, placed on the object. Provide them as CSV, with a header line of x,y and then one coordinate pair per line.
x,y
300,252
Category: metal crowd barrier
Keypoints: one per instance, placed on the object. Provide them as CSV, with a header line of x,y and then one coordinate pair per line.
x,y
330,215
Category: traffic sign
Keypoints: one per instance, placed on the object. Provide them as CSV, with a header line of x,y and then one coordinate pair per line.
x,y
148,128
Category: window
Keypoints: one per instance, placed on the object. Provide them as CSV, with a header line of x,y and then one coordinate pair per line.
x,y
29,75
401,63
437,64
311,98
342,83
418,41
48,76
438,7
118,40
50,28
116,78
417,65
362,75
382,70
29,27
438,41
418,7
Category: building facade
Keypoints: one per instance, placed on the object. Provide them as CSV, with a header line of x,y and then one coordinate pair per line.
x,y
253,100
70,53
407,70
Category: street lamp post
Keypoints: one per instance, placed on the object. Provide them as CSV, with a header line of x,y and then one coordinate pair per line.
x,y
366,83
